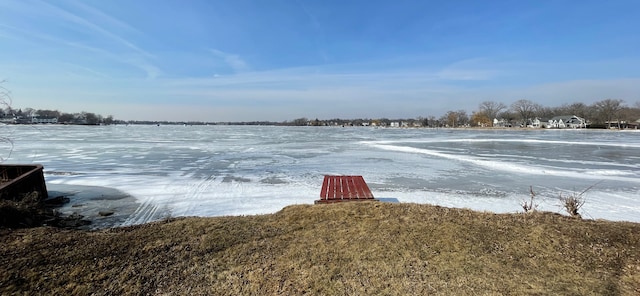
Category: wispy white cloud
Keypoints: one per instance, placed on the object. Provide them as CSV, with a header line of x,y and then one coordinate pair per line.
x,y
235,62
105,18
318,35
140,63
80,71
117,49
107,56
469,69
73,18
20,35
316,91
199,100
587,91
152,72
297,77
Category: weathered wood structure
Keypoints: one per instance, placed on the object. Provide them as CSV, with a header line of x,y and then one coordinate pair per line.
x,y
344,188
18,180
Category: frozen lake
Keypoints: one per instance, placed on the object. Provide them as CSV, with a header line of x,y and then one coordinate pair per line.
x,y
152,172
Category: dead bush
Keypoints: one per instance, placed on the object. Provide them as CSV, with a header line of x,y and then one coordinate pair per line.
x,y
529,206
573,202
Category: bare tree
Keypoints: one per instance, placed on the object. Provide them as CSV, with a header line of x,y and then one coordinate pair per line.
x,y
463,118
30,113
300,121
5,96
526,109
450,119
547,112
608,109
578,109
433,122
44,113
91,118
491,109
629,114
455,118
5,101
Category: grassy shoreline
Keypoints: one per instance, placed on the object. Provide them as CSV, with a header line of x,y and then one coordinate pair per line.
x,y
338,249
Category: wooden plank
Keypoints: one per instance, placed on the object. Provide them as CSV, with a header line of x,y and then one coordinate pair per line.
x,y
334,188
353,190
363,189
366,189
325,187
345,187
357,187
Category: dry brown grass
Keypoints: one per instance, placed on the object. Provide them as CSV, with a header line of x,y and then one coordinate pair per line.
x,y
338,249
28,211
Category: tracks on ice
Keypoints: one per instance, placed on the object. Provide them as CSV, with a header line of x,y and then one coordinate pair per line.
x,y
159,206
146,212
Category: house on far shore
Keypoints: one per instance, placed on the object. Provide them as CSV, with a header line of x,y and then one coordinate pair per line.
x,y
535,123
567,121
38,120
501,123
8,120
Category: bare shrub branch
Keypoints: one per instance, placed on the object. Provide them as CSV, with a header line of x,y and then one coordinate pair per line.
x,y
5,96
573,202
529,206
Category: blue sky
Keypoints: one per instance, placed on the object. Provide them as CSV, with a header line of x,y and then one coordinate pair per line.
x,y
279,60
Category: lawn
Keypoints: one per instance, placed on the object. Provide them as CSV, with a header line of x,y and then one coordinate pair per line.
x,y
359,248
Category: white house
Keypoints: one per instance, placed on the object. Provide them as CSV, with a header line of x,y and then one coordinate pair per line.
x,y
567,121
501,123
535,123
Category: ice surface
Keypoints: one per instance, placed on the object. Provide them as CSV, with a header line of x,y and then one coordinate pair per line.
x,y
244,170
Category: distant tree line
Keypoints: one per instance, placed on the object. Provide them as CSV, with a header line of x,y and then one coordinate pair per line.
x,y
602,114
30,115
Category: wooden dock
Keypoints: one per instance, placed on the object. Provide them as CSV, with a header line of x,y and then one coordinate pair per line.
x,y
344,188
18,180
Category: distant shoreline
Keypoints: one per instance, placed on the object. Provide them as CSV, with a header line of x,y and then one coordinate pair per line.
x,y
329,126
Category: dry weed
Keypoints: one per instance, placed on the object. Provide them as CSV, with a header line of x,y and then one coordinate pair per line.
x,y
529,206
573,202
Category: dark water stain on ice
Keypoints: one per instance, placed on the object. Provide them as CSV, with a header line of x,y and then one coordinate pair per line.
x,y
91,201
273,180
229,179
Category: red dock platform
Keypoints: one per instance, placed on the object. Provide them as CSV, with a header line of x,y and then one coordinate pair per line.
x,y
344,188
